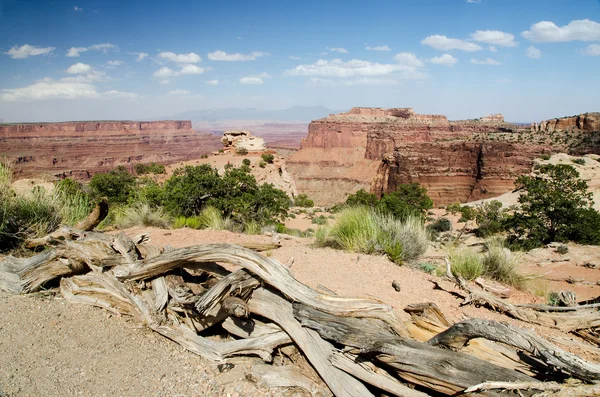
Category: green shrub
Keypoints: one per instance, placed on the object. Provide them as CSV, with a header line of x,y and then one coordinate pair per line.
x,y
262,164
115,185
252,228
562,249
579,161
440,225
179,222
242,151
362,198
545,156
142,214
268,158
556,206
408,200
360,229
75,204
491,218
319,220
302,200
428,267
193,222
246,162
152,168
148,191
466,263
500,264
228,166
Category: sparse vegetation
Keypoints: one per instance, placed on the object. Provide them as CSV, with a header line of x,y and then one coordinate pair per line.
x,y
440,225
579,161
302,200
268,158
466,263
562,249
361,229
500,263
262,164
142,214
152,168
242,151
246,162
545,157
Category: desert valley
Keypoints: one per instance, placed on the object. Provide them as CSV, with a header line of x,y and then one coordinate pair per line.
x,y
315,198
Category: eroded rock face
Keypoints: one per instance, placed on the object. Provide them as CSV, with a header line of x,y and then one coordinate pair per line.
x,y
80,149
586,122
237,139
377,149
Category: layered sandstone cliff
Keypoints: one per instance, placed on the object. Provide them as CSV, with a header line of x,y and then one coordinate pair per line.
x,y
377,149
80,149
587,122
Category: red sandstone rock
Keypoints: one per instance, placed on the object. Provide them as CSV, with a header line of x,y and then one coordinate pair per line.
x,y
378,149
587,122
80,149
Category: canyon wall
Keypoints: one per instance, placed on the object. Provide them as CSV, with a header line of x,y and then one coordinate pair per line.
x,y
377,149
80,149
588,122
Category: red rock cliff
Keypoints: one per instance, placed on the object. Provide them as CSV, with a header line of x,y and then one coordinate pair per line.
x,y
80,149
378,149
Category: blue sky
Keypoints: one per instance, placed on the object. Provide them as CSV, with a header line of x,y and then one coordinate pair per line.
x,y
108,59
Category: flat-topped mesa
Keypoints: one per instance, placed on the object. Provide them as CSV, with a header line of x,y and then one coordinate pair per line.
x,y
241,139
377,149
587,122
81,148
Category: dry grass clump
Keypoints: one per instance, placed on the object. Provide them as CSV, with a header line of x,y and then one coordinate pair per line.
x,y
361,229
142,214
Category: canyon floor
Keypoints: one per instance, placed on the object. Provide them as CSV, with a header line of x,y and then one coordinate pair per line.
x,y
52,348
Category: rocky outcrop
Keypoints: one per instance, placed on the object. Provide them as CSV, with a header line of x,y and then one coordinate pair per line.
x,y
243,140
587,122
377,149
80,149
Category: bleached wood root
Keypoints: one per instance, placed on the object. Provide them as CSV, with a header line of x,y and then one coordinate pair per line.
x,y
286,376
269,271
554,358
377,379
548,389
97,215
316,350
418,363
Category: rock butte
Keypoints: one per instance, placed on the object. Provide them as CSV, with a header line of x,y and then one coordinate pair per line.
x,y
377,149
80,149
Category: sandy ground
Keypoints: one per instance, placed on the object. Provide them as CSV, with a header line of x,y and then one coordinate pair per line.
x,y
51,348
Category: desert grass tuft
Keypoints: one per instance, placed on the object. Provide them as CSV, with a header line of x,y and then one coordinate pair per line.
x,y
466,263
142,214
500,263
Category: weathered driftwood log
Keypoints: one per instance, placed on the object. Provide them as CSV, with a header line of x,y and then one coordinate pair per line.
x,y
553,357
97,215
269,271
316,350
418,363
548,389
286,376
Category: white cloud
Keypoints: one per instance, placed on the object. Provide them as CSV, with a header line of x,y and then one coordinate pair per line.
x,y
255,79
104,47
52,89
295,58
180,58
213,82
85,77
74,51
166,81
78,9
337,49
140,55
178,93
27,50
533,52
223,56
486,61
378,48
115,63
321,81
474,1
355,68
408,59
251,80
370,81
165,72
494,37
592,50
549,32
79,68
444,43
492,48
190,69
446,59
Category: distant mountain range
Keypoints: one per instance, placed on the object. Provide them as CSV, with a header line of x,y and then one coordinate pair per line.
x,y
296,113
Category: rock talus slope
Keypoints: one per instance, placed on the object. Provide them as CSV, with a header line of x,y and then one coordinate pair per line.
x,y
80,149
377,149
